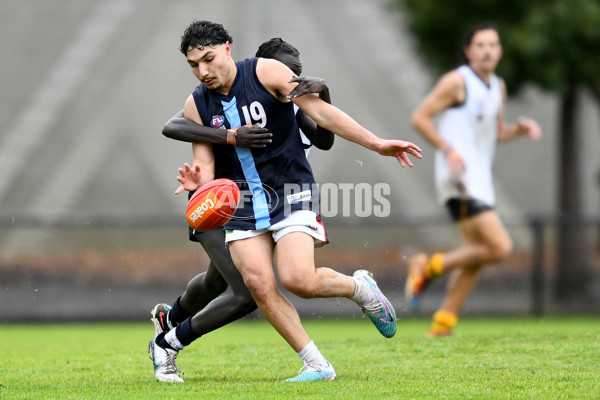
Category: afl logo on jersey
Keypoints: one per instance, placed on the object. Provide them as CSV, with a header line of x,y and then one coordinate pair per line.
x,y
217,121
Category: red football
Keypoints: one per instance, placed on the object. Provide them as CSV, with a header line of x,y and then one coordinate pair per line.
x,y
213,204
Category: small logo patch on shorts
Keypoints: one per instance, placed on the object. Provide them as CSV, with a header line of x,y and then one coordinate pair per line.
x,y
298,197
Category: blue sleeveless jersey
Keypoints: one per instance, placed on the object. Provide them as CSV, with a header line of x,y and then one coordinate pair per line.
x,y
273,181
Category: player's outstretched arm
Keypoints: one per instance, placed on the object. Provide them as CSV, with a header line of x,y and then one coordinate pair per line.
x,y
275,77
344,126
186,130
320,137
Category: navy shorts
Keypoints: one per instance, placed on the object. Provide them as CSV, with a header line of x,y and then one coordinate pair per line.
x,y
465,208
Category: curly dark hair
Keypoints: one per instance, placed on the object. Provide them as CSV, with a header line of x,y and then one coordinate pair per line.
x,y
200,34
282,51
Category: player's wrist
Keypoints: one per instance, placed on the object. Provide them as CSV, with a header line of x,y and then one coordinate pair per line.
x,y
447,149
231,136
376,144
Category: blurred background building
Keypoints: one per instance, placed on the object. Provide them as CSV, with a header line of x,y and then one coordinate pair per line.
x,y
90,228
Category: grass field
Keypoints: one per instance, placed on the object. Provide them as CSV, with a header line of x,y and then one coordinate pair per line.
x,y
501,358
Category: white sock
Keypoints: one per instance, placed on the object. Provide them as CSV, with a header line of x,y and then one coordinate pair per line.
x,y
312,356
362,292
364,297
171,338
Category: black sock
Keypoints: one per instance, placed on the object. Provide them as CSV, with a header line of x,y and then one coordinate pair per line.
x,y
177,314
185,334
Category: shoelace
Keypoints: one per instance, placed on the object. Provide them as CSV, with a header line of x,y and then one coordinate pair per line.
x,y
170,364
305,367
302,369
374,309
175,363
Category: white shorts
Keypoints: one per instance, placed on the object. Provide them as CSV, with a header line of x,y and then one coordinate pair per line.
x,y
298,221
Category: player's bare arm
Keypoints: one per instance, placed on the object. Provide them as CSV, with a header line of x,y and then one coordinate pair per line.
x,y
338,122
523,126
448,91
320,137
186,130
275,77
203,169
203,153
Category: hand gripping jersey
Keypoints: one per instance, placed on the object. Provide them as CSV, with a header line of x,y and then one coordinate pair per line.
x,y
273,181
471,128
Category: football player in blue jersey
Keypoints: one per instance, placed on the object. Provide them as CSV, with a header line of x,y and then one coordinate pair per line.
x,y
255,137
257,91
205,305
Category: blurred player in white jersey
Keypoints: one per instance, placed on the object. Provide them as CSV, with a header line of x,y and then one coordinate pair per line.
x,y
472,100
